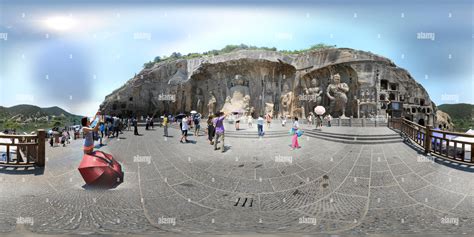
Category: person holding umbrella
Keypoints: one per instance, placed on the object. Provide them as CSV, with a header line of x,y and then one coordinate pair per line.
x,y
88,129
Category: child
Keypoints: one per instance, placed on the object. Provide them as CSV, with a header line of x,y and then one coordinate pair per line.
x,y
294,138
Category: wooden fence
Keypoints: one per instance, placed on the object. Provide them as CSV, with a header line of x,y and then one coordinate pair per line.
x,y
23,150
449,145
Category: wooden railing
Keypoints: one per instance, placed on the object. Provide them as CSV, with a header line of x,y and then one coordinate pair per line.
x,y
30,149
441,143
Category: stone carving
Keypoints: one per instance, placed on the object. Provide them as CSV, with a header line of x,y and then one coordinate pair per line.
x,y
286,101
314,92
239,96
211,105
336,93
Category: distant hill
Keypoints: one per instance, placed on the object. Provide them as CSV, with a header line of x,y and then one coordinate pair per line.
x,y
30,117
462,115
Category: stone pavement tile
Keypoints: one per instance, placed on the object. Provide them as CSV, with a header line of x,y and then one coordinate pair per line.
x,y
172,175
422,168
364,160
355,186
67,181
392,159
388,197
286,182
10,209
201,164
379,165
173,207
296,197
254,186
73,199
234,221
267,173
414,219
156,188
436,197
311,174
451,183
231,201
382,178
465,207
290,169
280,221
193,190
104,220
220,168
148,171
57,223
337,207
360,171
411,181
399,169
242,173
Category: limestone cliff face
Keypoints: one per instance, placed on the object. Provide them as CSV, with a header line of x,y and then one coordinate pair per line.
x,y
189,84
444,121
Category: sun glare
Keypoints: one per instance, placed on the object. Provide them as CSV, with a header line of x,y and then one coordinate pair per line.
x,y
60,23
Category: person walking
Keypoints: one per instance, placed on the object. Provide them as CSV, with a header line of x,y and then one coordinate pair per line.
x,y
165,125
294,138
211,131
219,125
328,119
260,122
184,129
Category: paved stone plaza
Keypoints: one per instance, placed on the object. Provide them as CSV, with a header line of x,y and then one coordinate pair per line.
x,y
256,186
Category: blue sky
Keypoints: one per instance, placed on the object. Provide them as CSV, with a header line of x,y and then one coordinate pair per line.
x,y
72,54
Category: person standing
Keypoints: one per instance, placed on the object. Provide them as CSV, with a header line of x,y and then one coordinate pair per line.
x,y
294,138
184,129
147,122
102,130
197,125
165,125
268,117
219,125
250,121
135,126
211,131
88,134
260,122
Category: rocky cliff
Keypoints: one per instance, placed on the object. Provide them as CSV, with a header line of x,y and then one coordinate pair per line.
x,y
272,82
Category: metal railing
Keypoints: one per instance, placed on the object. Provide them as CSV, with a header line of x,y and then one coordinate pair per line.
x,y
21,150
449,145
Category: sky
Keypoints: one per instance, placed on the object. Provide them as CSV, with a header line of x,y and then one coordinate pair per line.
x,y
73,53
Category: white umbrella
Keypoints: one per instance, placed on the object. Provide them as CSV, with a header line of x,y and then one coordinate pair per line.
x,y
319,110
194,112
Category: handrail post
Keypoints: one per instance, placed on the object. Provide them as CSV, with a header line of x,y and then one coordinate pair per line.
x,y
40,156
427,139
